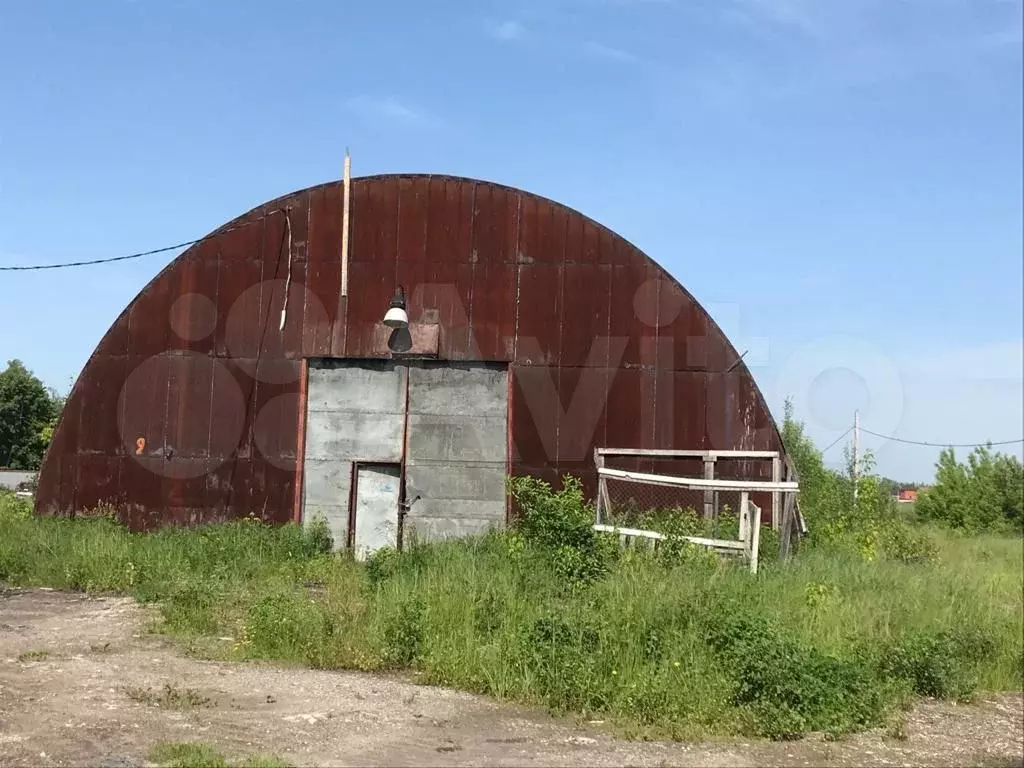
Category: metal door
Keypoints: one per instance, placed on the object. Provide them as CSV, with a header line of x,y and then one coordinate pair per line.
x,y
376,489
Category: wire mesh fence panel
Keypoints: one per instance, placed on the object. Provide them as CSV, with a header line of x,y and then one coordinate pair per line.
x,y
650,506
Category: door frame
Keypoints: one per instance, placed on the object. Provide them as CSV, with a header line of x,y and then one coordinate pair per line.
x,y
353,496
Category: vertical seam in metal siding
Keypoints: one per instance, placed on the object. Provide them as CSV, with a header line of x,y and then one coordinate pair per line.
x,y
300,448
519,275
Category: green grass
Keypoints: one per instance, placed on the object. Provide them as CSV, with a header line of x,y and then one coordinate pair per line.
x,y
836,641
200,755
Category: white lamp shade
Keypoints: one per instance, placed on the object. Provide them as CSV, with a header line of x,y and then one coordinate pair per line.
x,y
396,318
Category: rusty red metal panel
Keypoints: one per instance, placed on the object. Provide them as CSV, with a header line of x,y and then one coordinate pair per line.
x,y
540,279
323,278
192,306
447,287
189,388
540,307
372,272
584,319
370,292
631,320
495,241
413,195
142,486
648,413
239,282
272,292
149,322
582,416
447,300
198,376
115,342
534,410
99,411
274,412
590,236
142,406
688,410
623,409
492,313
496,225
688,330
228,409
449,218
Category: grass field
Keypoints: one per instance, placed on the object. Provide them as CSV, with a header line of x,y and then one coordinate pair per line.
x,y
683,646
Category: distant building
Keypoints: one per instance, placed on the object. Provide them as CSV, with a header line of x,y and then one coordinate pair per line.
x,y
16,479
906,496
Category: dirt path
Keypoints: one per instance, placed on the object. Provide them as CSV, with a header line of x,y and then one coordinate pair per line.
x,y
74,674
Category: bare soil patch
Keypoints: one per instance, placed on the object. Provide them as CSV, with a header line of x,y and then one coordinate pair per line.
x,y
83,683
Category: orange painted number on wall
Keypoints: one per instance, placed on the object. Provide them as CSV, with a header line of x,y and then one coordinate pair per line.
x,y
140,445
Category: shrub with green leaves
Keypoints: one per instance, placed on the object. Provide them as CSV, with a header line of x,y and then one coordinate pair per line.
x,y
561,524
984,494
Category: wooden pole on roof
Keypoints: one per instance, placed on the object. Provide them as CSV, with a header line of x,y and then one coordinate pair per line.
x,y
347,183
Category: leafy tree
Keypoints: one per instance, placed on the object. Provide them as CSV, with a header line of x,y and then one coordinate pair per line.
x,y
28,413
984,493
826,496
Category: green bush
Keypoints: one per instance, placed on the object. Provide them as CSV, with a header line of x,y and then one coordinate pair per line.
x,y
942,664
561,524
789,687
984,494
403,632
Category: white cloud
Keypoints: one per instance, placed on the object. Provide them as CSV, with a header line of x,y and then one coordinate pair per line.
x,y
607,51
516,31
509,30
390,109
800,15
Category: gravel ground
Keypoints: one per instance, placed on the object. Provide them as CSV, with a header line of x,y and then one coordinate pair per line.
x,y
82,683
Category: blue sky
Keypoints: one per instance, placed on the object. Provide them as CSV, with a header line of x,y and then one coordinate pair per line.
x,y
839,182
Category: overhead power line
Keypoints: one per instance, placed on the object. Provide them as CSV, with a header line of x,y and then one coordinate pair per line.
x,y
140,254
30,267
942,445
833,443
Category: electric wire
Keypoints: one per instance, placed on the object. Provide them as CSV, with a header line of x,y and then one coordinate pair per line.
x,y
833,443
941,445
140,254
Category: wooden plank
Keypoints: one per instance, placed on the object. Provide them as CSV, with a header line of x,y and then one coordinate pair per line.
x,y
673,453
697,483
709,495
787,534
776,496
637,533
755,539
745,518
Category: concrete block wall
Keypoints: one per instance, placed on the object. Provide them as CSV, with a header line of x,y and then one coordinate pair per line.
x,y
457,440
457,448
355,412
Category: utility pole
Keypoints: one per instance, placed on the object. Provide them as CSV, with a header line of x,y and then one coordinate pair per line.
x,y
855,470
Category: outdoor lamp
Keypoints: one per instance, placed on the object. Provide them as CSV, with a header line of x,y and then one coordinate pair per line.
x,y
396,316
